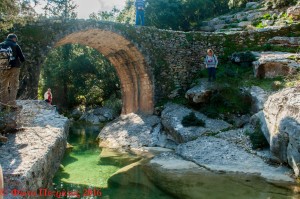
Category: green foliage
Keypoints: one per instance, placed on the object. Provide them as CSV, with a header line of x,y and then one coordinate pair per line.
x,y
258,139
280,3
127,15
295,57
15,12
227,100
78,75
175,14
267,16
245,56
237,3
192,120
106,15
62,9
115,103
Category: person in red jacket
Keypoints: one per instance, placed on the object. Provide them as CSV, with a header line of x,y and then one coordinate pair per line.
x,y
48,96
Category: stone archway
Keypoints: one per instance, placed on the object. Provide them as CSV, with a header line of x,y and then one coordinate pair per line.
x,y
136,85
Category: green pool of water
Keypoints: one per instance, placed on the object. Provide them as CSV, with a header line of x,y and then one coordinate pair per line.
x,y
84,175
82,171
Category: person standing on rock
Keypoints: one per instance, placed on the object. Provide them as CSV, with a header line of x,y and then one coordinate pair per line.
x,y
211,63
140,12
48,96
9,75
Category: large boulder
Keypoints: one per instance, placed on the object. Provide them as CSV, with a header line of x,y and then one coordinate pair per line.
x,y
218,154
280,122
172,117
294,12
132,131
273,64
32,156
200,93
98,115
106,112
91,118
77,113
259,97
285,41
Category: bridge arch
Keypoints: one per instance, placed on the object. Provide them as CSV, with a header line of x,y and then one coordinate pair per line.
x,y
136,85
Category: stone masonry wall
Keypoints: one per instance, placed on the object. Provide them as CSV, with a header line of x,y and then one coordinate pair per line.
x,y
172,57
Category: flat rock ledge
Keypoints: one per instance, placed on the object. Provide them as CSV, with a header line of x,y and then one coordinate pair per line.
x,y
173,115
186,179
32,156
220,155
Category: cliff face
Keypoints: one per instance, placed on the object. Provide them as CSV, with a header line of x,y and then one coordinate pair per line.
x,y
31,156
280,121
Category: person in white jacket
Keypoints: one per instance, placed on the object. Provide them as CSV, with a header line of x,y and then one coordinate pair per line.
x,y
48,96
211,63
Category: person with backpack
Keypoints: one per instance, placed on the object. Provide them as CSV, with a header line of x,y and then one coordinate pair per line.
x,y
10,63
211,63
140,14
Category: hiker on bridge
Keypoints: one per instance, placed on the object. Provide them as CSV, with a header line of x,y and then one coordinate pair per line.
x,y
140,12
10,69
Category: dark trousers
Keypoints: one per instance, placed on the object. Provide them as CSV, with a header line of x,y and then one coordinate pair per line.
x,y
139,20
211,73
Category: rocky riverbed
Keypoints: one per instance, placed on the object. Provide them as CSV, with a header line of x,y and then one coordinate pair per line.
x,y
32,155
217,150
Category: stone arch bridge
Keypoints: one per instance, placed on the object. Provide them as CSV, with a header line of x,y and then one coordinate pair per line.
x,y
150,62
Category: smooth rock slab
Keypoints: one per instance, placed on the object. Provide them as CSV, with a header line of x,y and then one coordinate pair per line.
x,y
273,64
171,119
220,155
131,131
31,157
185,179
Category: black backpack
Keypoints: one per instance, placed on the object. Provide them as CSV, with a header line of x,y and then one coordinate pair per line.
x,y
6,55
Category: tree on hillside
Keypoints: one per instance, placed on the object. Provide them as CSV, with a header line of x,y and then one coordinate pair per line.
x,y
62,9
105,15
127,15
16,12
79,75
175,14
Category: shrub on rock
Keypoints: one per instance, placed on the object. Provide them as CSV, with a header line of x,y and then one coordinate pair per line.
x,y
192,120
